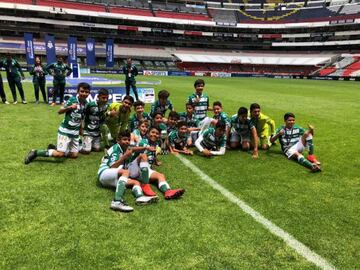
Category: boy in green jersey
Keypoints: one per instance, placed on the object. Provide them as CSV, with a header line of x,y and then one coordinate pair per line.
x,y
265,126
178,139
139,133
94,118
138,115
60,71
117,116
241,132
162,104
68,132
192,123
113,173
200,100
149,146
212,142
294,139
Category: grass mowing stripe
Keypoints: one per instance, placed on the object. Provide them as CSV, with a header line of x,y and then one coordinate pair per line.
x,y
299,247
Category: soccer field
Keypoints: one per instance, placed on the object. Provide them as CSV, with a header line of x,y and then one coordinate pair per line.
x,y
54,214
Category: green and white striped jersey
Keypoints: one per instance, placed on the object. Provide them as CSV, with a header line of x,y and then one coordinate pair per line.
x,y
223,117
113,154
243,129
134,121
201,106
157,107
211,142
177,141
151,155
94,117
290,137
191,122
137,133
70,126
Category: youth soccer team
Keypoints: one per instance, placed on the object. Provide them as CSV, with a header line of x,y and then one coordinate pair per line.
x,y
133,142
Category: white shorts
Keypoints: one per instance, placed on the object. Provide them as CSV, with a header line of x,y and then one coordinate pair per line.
x,y
134,170
90,142
67,144
298,147
110,177
239,138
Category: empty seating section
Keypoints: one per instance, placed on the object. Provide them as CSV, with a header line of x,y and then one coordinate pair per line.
x,y
71,5
223,15
353,69
347,60
350,9
28,2
131,11
185,16
327,71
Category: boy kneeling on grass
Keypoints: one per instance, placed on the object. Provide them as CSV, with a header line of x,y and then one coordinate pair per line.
x,y
68,132
294,139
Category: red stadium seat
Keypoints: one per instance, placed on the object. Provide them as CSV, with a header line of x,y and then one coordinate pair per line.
x,y
131,11
71,5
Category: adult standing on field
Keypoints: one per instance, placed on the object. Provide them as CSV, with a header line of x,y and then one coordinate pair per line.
x,y
2,92
39,80
60,71
14,76
130,72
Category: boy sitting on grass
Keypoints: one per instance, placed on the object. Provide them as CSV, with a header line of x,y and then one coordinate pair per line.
x,y
140,133
147,159
178,139
138,116
162,104
113,173
294,139
212,142
241,132
68,132
192,123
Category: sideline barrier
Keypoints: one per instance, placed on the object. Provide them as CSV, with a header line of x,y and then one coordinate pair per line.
x,y
116,93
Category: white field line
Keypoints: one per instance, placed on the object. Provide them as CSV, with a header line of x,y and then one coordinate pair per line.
x,y
299,247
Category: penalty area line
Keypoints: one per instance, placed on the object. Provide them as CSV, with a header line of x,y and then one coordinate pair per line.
x,y
299,247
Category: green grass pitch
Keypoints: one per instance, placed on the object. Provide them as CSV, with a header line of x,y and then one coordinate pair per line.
x,y
54,215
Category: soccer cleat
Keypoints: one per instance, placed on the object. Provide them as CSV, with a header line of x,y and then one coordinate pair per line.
x,y
6,102
24,102
174,193
315,168
53,104
143,200
146,188
30,156
15,102
313,159
121,206
51,146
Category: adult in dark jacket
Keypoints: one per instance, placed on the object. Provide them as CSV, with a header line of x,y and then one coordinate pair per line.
x,y
60,71
39,80
14,76
2,92
130,72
